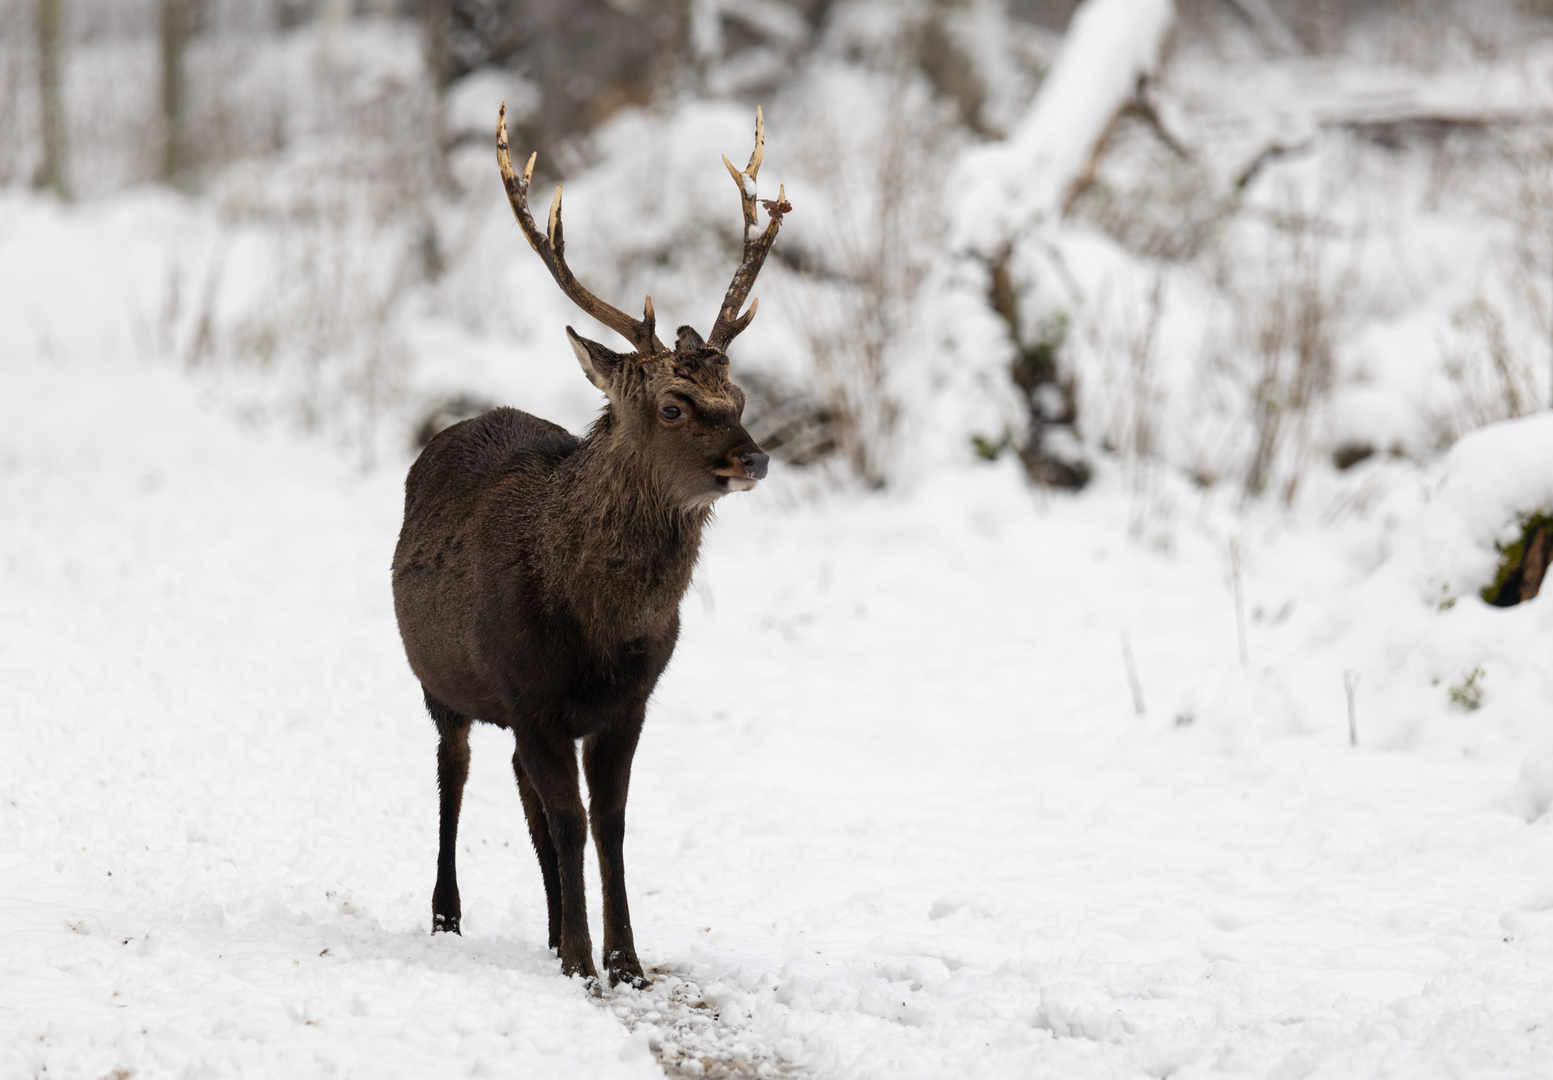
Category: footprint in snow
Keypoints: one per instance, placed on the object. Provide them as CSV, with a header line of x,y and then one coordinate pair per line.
x,y
695,1032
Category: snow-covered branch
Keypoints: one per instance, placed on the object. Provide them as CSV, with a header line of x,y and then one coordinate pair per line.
x,y
1009,186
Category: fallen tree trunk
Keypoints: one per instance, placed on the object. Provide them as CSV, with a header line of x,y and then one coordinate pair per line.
x,y
1112,46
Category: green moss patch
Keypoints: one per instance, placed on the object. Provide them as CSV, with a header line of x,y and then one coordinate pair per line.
x,y
1468,694
1523,563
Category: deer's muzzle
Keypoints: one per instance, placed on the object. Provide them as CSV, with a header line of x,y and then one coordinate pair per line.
x,y
744,468
754,462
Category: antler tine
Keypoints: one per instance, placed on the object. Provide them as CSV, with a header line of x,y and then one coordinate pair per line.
x,y
736,326
759,153
752,170
550,245
746,195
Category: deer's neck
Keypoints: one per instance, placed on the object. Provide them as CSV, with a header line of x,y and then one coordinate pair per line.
x,y
621,554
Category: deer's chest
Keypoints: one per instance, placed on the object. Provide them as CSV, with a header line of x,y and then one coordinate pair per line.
x,y
611,686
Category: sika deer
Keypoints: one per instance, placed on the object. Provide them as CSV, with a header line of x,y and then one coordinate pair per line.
x,y
538,576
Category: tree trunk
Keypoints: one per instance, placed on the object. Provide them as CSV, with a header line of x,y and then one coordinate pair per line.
x,y
437,19
176,24
51,19
437,39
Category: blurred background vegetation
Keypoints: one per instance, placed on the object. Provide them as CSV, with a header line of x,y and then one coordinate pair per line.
x,y
1260,202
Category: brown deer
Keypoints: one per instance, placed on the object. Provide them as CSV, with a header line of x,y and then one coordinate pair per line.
x,y
538,576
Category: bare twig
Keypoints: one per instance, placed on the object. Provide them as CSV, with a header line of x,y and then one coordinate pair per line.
x,y
1132,674
1389,124
1240,601
203,344
1290,325
1350,684
1142,106
1268,154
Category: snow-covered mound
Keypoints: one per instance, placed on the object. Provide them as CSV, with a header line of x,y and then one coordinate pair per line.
x,y
1388,598
1490,482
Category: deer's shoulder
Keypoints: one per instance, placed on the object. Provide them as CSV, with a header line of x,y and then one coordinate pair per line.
x,y
476,451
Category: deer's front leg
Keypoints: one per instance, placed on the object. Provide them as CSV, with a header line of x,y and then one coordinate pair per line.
x,y
550,764
452,772
606,758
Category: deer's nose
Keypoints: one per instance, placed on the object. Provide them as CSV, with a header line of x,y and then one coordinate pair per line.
x,y
754,462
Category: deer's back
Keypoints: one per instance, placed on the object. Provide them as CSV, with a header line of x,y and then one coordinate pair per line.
x,y
467,458
474,501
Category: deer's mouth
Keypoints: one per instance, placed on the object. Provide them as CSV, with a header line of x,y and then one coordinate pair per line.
x,y
736,483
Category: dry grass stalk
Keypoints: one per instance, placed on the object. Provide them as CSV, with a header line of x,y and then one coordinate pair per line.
x,y
1290,327
1240,602
856,312
1350,687
1133,682
1490,380
1140,437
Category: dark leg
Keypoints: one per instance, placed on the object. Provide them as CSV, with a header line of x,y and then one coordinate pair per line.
x,y
452,771
606,760
549,763
544,847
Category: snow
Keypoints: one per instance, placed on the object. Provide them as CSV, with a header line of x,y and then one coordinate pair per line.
x,y
1533,792
474,99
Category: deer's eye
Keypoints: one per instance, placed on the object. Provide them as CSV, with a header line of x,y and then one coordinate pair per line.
x,y
670,412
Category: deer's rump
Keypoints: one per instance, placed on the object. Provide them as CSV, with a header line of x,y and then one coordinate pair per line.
x,y
471,501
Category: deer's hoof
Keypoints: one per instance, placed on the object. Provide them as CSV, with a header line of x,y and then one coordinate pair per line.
x,y
579,966
636,981
627,970
445,924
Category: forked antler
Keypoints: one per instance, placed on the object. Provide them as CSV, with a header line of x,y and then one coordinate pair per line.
x,y
730,324
551,248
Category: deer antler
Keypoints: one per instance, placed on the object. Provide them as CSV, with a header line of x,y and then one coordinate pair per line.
x,y
730,324
551,248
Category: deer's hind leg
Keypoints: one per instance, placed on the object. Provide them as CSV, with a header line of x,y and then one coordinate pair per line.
x,y
544,847
548,758
452,771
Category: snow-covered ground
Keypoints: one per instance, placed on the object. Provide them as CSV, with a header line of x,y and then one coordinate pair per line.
x,y
893,814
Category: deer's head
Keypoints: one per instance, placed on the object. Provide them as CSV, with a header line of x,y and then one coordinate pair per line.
x,y
677,408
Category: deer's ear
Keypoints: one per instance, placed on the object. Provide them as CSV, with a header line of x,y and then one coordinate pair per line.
x,y
689,340
599,364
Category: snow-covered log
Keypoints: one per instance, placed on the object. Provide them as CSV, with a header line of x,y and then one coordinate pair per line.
x,y
1009,186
